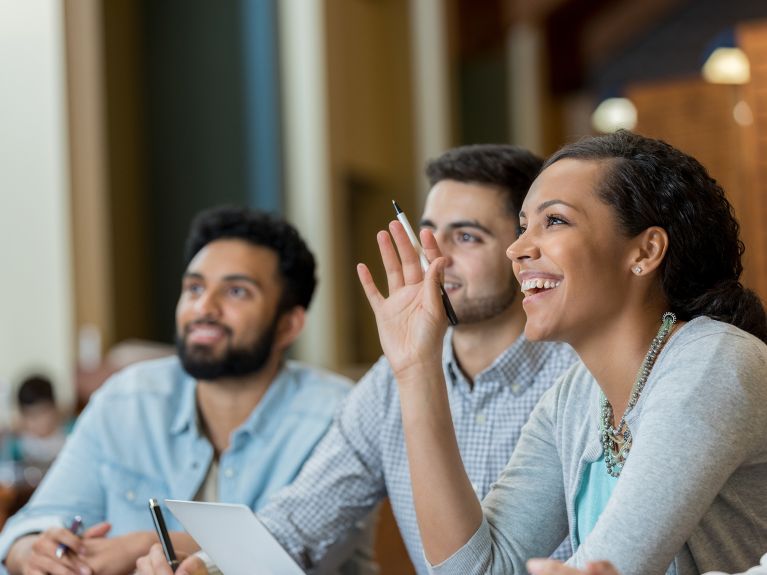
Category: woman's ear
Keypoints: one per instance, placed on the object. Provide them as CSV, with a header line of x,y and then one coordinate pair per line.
x,y
290,327
651,246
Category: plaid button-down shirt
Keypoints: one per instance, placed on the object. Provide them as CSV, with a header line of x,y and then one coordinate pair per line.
x,y
362,458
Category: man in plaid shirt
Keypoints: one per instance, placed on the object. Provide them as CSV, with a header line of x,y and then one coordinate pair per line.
x,y
495,377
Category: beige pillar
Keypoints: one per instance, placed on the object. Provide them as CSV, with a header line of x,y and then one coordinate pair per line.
x,y
88,164
307,171
431,84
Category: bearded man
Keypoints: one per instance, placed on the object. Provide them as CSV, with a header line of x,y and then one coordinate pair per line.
x,y
228,419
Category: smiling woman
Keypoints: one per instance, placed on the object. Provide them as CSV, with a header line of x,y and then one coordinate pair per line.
x,y
649,452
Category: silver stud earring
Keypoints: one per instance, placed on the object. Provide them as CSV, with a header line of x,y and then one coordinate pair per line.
x,y
637,270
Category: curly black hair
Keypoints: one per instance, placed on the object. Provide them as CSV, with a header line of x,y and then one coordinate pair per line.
x,y
509,168
296,265
650,183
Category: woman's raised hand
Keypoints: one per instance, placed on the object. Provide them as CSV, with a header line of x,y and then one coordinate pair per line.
x,y
411,320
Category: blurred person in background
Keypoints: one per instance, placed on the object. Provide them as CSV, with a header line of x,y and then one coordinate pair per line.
x,y
227,419
31,444
41,430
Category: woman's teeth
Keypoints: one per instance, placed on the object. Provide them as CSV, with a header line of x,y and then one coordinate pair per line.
x,y
539,283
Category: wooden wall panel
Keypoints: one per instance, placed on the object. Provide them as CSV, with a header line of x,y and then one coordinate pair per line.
x,y
752,38
88,170
697,117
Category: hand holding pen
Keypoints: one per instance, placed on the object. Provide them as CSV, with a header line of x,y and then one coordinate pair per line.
x,y
451,317
162,533
74,527
39,553
411,319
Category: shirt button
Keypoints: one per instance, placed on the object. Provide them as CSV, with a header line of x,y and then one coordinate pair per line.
x,y
228,472
130,495
515,387
480,419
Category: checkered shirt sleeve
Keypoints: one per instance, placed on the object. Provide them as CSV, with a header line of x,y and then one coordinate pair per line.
x,y
340,484
362,459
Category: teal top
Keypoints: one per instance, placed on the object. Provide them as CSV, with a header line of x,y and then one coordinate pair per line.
x,y
596,488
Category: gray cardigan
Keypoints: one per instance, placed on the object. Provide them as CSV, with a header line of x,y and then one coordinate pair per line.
x,y
692,496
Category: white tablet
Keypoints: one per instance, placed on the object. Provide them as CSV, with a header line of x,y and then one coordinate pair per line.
x,y
234,538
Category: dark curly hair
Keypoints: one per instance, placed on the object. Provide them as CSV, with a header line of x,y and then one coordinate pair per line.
x,y
650,183
296,263
509,168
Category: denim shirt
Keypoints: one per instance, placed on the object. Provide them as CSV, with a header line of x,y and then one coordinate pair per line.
x,y
139,438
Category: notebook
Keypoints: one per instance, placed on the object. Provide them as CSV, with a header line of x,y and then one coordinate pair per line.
x,y
234,538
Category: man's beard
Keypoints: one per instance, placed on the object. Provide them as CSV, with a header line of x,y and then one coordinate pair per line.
x,y
198,361
481,309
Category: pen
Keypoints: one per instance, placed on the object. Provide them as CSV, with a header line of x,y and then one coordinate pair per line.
x,y
451,317
74,527
162,533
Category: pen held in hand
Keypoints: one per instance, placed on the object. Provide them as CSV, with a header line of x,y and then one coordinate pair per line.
x,y
451,317
74,527
162,534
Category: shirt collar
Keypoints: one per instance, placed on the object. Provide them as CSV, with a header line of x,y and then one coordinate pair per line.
x,y
521,357
187,417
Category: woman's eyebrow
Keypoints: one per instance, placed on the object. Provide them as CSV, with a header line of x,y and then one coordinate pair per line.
x,y
547,204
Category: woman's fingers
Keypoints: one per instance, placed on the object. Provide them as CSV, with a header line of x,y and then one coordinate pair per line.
x,y
411,261
403,262
391,263
368,285
433,297
403,268
429,243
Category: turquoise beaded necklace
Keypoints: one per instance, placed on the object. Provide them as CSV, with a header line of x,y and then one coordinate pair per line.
x,y
616,441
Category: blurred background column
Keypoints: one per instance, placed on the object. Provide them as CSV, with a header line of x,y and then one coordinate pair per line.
x,y
88,161
307,189
431,84
35,242
525,78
